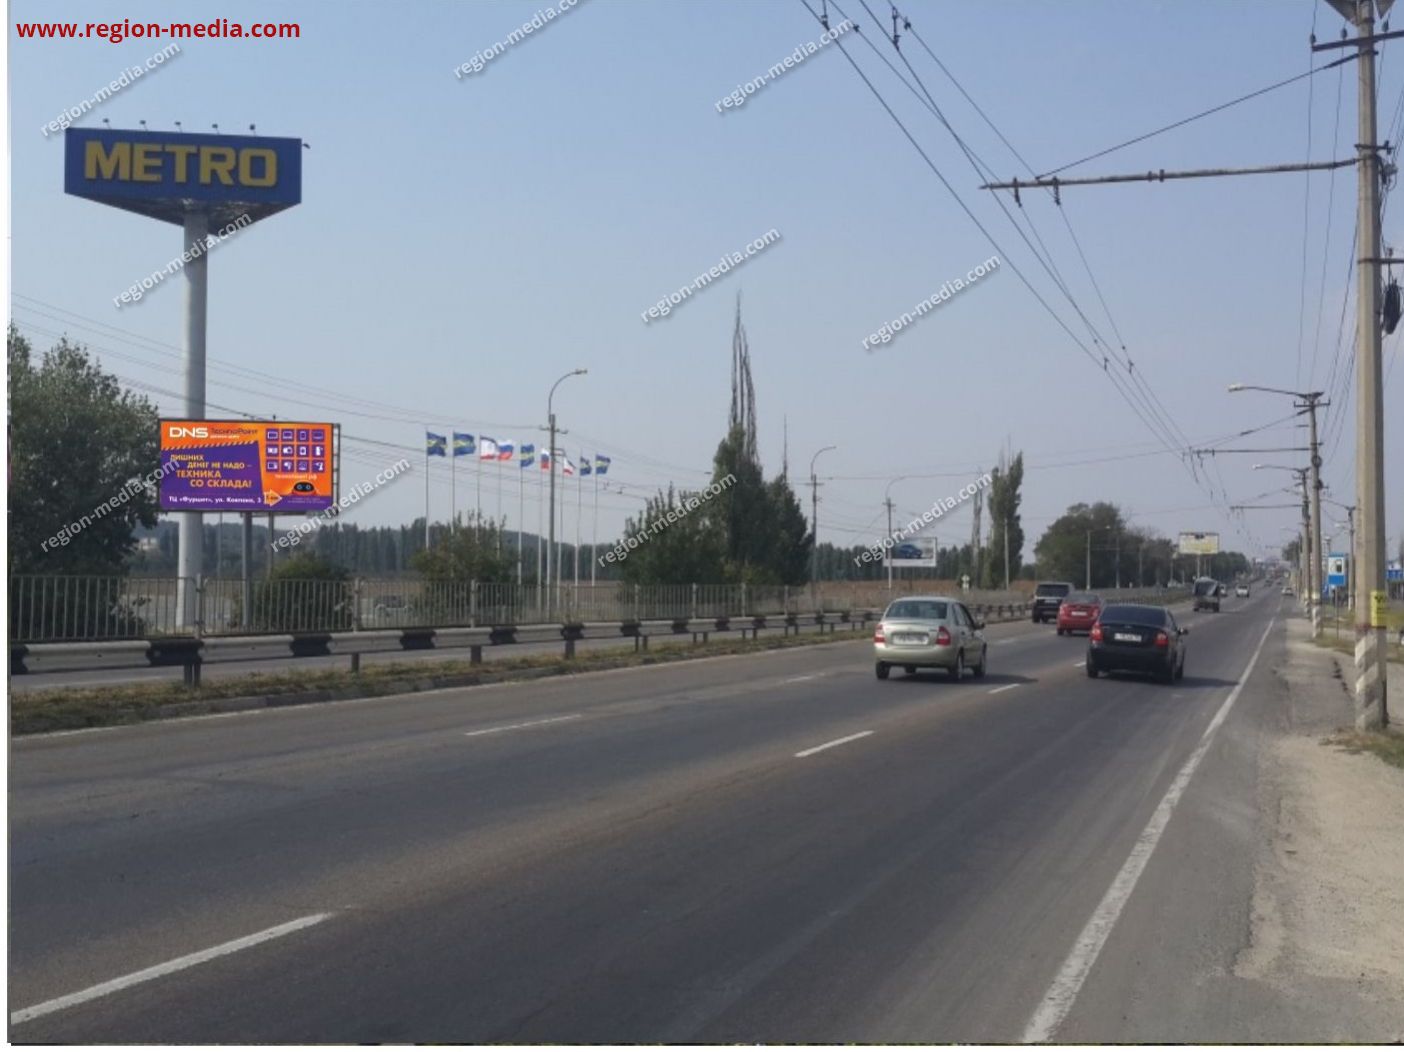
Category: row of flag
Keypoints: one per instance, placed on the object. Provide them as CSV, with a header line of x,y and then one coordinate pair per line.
x,y
486,448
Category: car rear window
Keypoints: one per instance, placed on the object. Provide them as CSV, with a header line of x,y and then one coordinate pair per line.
x,y
1052,590
1133,615
917,609
1086,598
1205,587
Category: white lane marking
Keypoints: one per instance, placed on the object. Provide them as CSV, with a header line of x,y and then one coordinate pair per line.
x,y
519,726
1079,664
157,971
830,745
1058,1001
799,679
1000,690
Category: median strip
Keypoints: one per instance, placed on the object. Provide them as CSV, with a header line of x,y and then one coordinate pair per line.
x,y
112,986
830,745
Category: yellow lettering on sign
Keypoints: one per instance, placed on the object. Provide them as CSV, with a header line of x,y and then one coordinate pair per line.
x,y
147,163
217,160
269,166
98,163
1379,609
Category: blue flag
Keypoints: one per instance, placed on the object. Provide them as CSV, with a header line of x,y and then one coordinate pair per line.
x,y
601,464
584,465
526,456
435,445
463,445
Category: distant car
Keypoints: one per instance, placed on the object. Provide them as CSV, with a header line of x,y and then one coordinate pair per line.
x,y
1135,638
930,631
1241,591
908,551
1222,589
1206,595
1287,589
1047,597
304,487
1078,612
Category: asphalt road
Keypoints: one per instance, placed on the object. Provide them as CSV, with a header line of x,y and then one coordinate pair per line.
x,y
772,848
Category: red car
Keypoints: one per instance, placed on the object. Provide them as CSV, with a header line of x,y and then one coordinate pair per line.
x,y
1079,612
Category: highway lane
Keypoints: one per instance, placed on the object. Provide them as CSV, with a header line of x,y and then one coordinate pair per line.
x,y
657,863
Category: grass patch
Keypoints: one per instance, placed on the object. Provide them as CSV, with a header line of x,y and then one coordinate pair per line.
x,y
73,708
1388,745
1346,646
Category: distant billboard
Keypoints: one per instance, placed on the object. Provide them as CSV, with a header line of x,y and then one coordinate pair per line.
x,y
164,175
1199,544
914,551
245,465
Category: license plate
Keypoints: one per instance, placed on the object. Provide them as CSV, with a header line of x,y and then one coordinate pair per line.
x,y
1126,637
908,637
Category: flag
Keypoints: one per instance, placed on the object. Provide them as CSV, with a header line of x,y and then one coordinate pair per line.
x,y
569,468
505,449
545,460
462,444
487,448
601,464
434,445
527,455
584,464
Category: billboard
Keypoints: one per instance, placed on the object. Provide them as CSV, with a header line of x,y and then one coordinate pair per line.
x,y
1199,544
164,175
246,465
914,551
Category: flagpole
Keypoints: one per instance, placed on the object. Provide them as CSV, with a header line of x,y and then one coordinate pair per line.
x,y
521,517
478,481
426,496
453,483
540,535
579,495
595,528
499,500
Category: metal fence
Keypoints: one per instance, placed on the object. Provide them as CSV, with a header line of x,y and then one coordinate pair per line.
x,y
71,608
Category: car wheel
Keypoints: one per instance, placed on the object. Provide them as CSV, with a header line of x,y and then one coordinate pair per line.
x,y
883,668
1060,631
957,671
984,662
1092,672
1180,669
1167,674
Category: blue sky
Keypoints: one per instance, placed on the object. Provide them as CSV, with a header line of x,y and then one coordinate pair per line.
x,y
463,242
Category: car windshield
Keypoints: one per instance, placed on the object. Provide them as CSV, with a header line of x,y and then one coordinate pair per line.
x,y
1052,590
917,610
1133,615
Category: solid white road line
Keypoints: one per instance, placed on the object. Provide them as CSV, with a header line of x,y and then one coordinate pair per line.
x,y
518,726
1058,1001
799,679
830,745
1000,690
156,972
1079,664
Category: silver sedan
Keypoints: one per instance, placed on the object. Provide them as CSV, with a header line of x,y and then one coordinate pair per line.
x,y
930,631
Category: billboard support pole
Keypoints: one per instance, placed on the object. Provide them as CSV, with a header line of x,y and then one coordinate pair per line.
x,y
190,528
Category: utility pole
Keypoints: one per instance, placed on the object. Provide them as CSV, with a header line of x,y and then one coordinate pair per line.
x,y
1087,587
1313,399
888,558
551,427
975,537
814,498
1118,560
1371,703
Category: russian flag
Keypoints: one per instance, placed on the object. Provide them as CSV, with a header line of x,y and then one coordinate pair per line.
x,y
505,449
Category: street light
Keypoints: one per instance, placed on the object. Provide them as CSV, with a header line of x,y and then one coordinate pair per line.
x,y
1309,401
814,494
551,427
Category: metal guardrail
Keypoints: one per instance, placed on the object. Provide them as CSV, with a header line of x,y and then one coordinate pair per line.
x,y
53,609
191,653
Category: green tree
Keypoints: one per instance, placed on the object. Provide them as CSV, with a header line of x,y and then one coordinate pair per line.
x,y
472,552
791,542
1062,551
77,439
687,550
1004,499
304,593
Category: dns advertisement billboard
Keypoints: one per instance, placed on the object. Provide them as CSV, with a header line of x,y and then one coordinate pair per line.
x,y
1199,544
166,174
243,465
